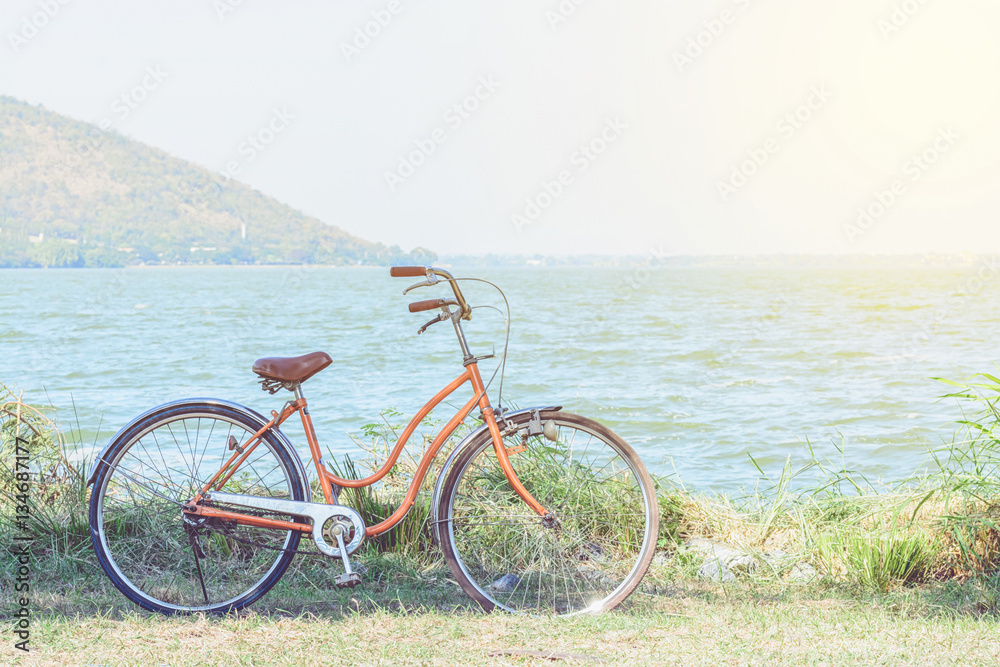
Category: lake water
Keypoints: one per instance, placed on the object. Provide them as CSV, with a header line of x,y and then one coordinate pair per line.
x,y
693,366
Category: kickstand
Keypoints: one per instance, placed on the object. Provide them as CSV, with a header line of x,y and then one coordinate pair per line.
x,y
192,534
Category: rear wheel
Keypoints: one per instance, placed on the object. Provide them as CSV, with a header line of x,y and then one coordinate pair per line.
x,y
170,564
595,552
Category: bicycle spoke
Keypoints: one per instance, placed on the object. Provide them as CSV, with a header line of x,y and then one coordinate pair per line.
x,y
208,439
152,490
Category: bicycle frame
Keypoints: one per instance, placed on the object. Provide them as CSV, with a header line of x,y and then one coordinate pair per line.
x,y
328,479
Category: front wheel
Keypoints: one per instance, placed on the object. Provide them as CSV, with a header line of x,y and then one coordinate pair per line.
x,y
589,558
153,553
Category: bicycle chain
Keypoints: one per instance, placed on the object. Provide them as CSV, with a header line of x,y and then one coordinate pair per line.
x,y
231,532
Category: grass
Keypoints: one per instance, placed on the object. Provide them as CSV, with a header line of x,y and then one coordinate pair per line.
x,y
943,526
910,574
694,626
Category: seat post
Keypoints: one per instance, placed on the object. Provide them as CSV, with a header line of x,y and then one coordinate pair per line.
x,y
297,390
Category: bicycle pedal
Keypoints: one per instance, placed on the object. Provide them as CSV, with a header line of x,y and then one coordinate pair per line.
x,y
347,580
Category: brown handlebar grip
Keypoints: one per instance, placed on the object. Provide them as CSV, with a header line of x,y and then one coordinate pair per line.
x,y
430,304
408,271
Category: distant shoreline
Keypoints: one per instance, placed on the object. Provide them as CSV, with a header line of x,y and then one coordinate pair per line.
x,y
627,262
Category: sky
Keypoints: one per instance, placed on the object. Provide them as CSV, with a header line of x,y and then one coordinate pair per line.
x,y
556,126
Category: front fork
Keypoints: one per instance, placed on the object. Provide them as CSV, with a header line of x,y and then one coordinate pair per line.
x,y
503,457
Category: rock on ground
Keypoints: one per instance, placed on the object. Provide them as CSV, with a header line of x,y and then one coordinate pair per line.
x,y
715,569
722,561
803,572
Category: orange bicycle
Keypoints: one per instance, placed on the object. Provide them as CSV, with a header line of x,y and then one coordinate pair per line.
x,y
200,504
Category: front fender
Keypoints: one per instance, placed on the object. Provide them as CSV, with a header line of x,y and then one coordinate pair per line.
x,y
254,416
455,453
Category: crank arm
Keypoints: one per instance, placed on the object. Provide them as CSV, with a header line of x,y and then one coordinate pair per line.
x,y
318,512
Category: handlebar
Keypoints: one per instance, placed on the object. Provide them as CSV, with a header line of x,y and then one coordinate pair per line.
x,y
431,304
431,274
408,271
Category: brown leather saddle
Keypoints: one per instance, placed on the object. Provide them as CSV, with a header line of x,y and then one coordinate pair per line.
x,y
291,370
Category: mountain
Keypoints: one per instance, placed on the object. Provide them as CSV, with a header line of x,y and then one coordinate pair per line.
x,y
77,194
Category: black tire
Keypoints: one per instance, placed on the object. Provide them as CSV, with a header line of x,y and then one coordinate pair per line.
x,y
504,556
136,523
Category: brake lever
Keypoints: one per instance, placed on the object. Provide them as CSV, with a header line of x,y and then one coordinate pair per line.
x,y
431,280
440,318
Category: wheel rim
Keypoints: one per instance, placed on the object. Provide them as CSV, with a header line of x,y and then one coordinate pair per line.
x,y
140,524
593,557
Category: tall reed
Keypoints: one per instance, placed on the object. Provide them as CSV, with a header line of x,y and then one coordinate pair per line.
x,y
969,475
